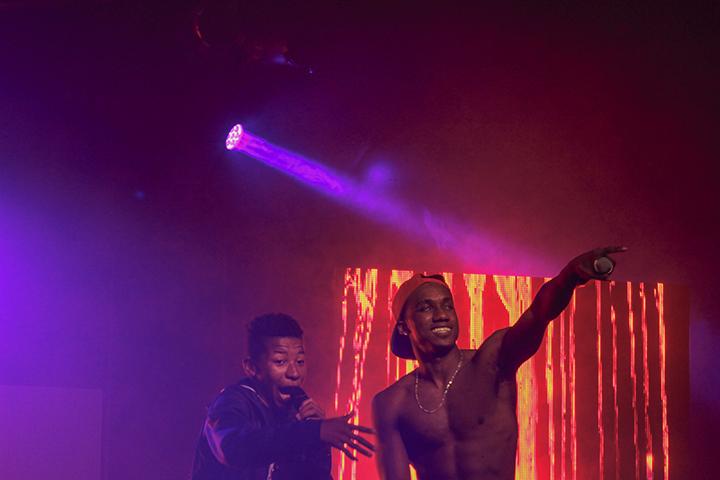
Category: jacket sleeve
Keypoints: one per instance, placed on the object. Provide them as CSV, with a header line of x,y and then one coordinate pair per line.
x,y
318,463
236,441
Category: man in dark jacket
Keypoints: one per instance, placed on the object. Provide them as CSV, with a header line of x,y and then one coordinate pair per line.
x,y
264,427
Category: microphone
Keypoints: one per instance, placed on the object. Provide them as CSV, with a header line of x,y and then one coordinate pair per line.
x,y
603,266
297,395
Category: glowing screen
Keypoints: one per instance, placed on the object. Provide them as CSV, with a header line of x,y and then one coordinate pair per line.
x,y
605,397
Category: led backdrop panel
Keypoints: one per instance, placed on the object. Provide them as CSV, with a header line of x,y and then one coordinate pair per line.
x,y
606,396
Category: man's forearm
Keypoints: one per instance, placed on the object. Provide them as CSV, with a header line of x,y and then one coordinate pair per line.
x,y
523,339
554,296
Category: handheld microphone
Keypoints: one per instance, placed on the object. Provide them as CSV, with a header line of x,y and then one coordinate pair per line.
x,y
603,266
297,395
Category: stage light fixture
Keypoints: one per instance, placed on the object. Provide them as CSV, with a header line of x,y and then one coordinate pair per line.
x,y
233,138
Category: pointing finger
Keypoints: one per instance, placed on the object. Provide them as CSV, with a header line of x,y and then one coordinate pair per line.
x,y
617,249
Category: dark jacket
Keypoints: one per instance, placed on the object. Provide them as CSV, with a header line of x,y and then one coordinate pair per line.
x,y
243,438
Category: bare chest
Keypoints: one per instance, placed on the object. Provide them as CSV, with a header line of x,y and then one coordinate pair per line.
x,y
476,407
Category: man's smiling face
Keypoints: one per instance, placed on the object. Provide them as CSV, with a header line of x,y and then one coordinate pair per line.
x,y
430,319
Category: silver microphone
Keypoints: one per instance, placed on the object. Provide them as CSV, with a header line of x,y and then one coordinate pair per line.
x,y
603,266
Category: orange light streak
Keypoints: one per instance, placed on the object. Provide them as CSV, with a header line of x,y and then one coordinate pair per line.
x,y
397,278
563,400
633,377
448,276
573,418
347,283
364,286
549,388
601,430
365,296
646,386
660,305
516,295
616,425
475,285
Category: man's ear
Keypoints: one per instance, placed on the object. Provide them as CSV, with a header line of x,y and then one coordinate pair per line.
x,y
249,367
402,328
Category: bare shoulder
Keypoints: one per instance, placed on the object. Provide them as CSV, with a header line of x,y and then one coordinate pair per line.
x,y
388,403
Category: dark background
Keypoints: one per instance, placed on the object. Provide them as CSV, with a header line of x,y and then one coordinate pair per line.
x,y
134,248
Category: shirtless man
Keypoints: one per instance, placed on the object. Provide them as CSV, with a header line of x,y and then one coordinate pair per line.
x,y
454,417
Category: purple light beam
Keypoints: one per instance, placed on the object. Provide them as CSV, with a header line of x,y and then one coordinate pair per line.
x,y
459,239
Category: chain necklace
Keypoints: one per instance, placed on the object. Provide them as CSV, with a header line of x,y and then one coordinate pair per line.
x,y
445,392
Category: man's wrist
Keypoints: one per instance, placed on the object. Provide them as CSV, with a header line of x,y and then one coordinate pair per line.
x,y
569,278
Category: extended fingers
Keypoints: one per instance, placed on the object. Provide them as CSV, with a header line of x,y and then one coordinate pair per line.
x,y
347,452
351,442
360,428
358,448
348,445
364,442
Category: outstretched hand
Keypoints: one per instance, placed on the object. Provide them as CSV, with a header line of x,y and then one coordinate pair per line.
x,y
341,434
594,265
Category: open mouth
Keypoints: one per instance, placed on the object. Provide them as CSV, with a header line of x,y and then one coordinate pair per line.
x,y
286,392
442,331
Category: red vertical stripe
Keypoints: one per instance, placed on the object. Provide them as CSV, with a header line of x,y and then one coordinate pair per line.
x,y
633,378
616,425
563,400
660,305
549,379
646,387
573,418
601,429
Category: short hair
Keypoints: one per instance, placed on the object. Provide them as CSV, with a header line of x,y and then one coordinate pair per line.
x,y
268,326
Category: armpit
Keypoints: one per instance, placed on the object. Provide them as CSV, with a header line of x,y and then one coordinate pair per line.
x,y
489,351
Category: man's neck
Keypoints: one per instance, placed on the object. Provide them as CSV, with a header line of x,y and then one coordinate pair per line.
x,y
438,369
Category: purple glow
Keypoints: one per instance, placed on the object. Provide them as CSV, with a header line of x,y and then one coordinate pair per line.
x,y
296,165
457,238
379,174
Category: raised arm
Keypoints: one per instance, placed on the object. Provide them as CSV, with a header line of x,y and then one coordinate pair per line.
x,y
392,458
523,339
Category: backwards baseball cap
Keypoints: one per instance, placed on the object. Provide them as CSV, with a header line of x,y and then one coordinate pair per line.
x,y
400,344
